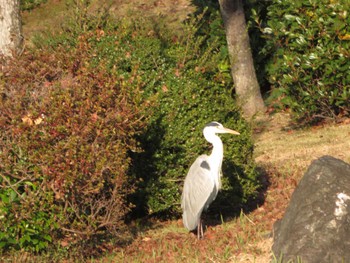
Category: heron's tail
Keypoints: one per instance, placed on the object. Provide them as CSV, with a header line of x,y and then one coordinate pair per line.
x,y
190,221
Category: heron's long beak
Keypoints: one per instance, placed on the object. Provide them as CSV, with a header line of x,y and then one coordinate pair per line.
x,y
227,130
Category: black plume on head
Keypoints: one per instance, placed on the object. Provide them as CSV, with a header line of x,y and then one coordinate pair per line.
x,y
213,124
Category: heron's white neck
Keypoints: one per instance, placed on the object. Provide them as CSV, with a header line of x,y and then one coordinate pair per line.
x,y
216,156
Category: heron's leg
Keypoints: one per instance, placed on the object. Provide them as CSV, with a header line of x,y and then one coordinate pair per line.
x,y
200,233
199,229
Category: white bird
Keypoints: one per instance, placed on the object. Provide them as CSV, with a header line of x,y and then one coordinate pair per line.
x,y
203,180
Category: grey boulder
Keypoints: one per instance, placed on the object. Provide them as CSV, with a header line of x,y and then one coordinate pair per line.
x,y
316,224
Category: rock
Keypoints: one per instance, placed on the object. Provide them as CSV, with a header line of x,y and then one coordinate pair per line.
x,y
316,225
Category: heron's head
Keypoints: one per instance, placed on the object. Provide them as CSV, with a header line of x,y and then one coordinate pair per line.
x,y
215,127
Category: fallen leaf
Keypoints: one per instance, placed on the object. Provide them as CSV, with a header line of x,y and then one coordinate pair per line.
x,y
37,121
164,88
345,37
27,120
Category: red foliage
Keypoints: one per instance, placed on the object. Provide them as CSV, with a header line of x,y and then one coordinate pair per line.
x,y
69,128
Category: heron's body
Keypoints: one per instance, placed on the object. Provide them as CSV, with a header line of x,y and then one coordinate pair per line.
x,y
203,180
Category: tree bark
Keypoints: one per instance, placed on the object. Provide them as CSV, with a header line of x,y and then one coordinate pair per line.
x,y
10,28
242,65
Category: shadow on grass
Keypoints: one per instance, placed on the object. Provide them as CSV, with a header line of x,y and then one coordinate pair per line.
x,y
221,210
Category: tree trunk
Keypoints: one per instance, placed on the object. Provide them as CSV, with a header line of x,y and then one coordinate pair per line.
x,y
242,66
10,28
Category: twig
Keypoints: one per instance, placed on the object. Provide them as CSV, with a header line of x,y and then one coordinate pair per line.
x,y
11,186
251,221
87,233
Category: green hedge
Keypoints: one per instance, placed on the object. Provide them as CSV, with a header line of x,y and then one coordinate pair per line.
x,y
310,43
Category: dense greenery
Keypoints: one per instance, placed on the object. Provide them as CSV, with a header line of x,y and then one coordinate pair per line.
x,y
107,116
30,4
310,42
190,93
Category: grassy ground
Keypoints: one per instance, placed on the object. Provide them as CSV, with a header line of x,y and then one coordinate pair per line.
x,y
289,149
54,12
283,154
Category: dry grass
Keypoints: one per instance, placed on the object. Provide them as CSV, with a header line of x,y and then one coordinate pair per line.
x,y
53,13
43,18
289,149
179,9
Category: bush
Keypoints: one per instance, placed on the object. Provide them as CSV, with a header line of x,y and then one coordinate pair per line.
x,y
26,217
256,16
67,126
310,42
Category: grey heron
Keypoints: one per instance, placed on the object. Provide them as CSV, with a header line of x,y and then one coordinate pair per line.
x,y
203,180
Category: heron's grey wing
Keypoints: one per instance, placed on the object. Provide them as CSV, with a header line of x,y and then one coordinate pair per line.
x,y
198,192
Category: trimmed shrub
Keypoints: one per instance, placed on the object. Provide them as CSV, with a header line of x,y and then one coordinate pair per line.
x,y
67,125
309,68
